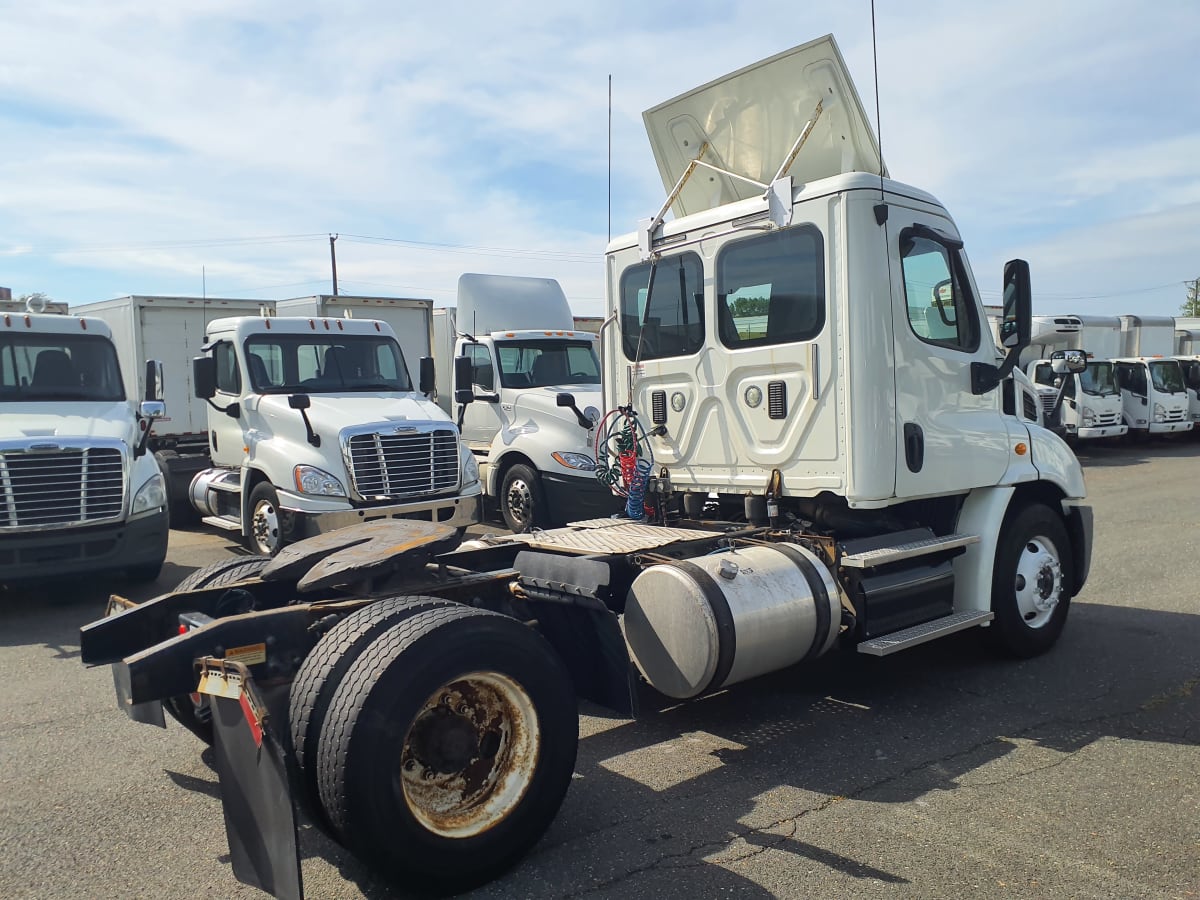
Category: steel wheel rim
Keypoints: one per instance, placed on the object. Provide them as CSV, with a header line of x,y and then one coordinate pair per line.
x,y
470,754
520,501
1038,582
264,525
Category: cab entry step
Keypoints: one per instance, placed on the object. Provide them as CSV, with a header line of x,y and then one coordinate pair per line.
x,y
919,634
881,556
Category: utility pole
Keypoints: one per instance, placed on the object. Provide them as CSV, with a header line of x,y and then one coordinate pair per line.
x,y
333,262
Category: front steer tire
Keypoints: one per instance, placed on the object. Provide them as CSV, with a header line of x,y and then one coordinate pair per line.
x,y
448,747
1032,582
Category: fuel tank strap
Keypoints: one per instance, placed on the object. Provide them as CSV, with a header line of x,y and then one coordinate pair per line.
x,y
820,595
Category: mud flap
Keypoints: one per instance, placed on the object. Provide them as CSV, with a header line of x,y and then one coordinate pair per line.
x,y
260,819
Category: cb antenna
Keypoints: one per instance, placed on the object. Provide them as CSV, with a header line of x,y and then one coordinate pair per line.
x,y
881,209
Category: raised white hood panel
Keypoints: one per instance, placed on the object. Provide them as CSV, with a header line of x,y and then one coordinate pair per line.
x,y
752,117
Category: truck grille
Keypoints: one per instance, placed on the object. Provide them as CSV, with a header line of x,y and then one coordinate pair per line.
x,y
1108,418
1176,415
61,488
410,464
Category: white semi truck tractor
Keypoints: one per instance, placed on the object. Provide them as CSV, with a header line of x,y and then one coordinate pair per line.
x,y
819,451
533,386
79,492
315,424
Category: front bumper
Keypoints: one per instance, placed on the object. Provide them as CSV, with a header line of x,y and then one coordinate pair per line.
x,y
1169,427
457,511
573,499
1101,431
87,550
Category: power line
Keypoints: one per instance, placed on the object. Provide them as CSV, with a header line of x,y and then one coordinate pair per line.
x,y
562,255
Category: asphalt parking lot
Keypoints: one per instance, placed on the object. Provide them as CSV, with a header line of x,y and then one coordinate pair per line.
x,y
942,772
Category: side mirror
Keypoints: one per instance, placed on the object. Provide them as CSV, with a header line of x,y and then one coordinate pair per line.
x,y
1068,362
427,383
567,401
1016,328
152,409
464,393
299,401
154,380
204,377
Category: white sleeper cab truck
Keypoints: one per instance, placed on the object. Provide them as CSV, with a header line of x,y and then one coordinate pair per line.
x,y
315,424
79,493
527,395
1085,405
1154,394
822,453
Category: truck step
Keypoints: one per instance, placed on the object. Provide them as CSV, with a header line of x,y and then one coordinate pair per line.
x,y
929,631
884,555
229,523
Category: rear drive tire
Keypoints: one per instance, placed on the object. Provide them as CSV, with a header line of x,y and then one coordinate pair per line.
x,y
323,669
448,747
198,720
1032,582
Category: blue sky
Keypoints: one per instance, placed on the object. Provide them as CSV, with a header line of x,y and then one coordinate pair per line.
x,y
175,148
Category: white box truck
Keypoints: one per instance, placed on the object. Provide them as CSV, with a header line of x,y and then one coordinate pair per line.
x,y
1154,395
411,318
1187,351
1086,405
170,329
535,386
833,459
79,492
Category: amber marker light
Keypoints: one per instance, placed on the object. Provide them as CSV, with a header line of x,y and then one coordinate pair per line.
x,y
1021,449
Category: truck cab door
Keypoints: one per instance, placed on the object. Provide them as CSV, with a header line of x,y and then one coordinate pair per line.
x,y
949,438
226,438
485,416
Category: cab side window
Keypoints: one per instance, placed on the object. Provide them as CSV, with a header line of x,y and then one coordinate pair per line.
x,y
941,309
229,379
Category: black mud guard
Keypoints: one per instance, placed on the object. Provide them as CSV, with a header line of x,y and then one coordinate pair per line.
x,y
256,798
567,595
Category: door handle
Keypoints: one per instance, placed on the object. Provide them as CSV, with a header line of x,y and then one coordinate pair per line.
x,y
914,446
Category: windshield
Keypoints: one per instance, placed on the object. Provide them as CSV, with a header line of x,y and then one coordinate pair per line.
x,y
1097,379
58,367
542,363
325,364
1167,376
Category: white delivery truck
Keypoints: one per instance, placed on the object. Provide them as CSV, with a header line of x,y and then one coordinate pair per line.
x,y
79,493
828,455
534,383
315,424
1086,405
170,329
1187,351
1154,395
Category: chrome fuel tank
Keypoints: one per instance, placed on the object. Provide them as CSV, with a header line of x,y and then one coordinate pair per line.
x,y
700,624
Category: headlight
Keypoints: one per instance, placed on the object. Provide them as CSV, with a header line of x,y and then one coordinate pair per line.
x,y
1088,417
571,460
1160,414
150,495
311,480
470,467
